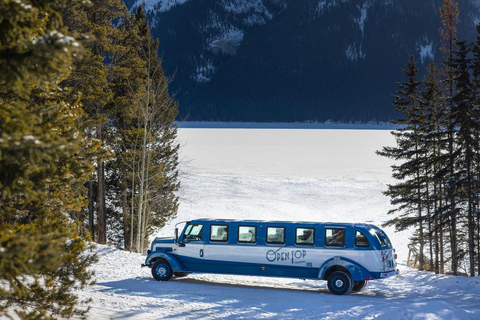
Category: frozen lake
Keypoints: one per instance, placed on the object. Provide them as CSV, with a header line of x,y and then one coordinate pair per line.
x,y
288,153
329,175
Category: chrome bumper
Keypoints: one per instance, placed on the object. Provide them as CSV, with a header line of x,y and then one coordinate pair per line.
x,y
389,274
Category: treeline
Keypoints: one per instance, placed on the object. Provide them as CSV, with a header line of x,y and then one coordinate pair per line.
x,y
87,147
295,67
128,109
438,148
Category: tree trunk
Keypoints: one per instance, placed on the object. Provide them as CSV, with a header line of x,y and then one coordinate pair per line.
x,y
437,261
471,219
430,231
91,210
419,207
436,227
478,243
132,213
146,210
475,196
453,209
124,200
101,217
442,258
142,182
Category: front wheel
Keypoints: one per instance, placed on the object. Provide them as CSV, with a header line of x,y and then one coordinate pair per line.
x,y
340,283
161,270
359,285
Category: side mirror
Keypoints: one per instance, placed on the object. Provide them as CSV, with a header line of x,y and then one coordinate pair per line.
x,y
181,244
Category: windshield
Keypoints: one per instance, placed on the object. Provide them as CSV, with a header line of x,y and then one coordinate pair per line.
x,y
193,232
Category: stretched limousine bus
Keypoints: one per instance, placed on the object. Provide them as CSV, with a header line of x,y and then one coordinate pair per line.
x,y
346,255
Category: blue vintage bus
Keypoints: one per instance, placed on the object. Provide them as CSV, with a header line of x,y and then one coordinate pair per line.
x,y
346,255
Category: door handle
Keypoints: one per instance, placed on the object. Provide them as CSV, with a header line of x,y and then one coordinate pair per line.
x,y
201,253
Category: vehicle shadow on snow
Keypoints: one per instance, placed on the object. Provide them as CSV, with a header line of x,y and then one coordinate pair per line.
x,y
312,287
203,297
142,286
306,289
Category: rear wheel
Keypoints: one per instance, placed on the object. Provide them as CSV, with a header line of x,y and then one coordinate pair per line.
x,y
359,285
339,283
161,270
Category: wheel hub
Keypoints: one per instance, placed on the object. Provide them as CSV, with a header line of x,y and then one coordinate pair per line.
x,y
338,283
161,271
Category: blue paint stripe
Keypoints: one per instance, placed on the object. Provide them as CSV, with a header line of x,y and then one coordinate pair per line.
x,y
239,268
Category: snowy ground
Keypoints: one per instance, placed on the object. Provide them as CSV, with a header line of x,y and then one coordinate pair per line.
x,y
282,174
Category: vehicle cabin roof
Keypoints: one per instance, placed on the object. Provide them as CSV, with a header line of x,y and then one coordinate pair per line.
x,y
333,224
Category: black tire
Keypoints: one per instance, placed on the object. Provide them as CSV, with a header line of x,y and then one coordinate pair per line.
x,y
359,285
161,270
181,274
340,283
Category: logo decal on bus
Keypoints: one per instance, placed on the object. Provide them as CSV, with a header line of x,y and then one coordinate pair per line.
x,y
295,255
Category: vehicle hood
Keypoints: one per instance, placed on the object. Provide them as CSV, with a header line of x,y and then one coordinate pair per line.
x,y
164,240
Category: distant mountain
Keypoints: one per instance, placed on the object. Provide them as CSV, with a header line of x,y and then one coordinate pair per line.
x,y
294,60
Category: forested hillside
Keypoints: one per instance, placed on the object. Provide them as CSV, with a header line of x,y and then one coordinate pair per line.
x,y
281,60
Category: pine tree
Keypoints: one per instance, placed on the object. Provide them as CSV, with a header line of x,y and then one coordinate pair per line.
x,y
465,117
98,23
439,146
143,177
127,78
476,92
434,107
408,194
43,166
449,13
159,156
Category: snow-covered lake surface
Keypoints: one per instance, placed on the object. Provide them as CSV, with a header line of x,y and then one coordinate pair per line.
x,y
307,174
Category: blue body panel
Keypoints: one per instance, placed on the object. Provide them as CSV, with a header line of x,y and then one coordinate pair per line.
x,y
171,259
357,272
253,269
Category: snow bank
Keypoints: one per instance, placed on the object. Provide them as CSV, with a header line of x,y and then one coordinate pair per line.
x,y
126,291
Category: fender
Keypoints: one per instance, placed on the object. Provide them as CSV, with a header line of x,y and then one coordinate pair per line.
x,y
171,259
357,272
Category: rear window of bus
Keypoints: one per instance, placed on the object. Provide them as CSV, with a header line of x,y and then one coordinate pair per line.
x,y
381,237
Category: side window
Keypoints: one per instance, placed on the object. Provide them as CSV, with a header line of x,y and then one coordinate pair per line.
x,y
275,235
305,236
380,239
193,232
334,237
361,240
247,234
219,233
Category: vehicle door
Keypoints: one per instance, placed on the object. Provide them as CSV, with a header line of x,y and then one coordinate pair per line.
x,y
192,247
